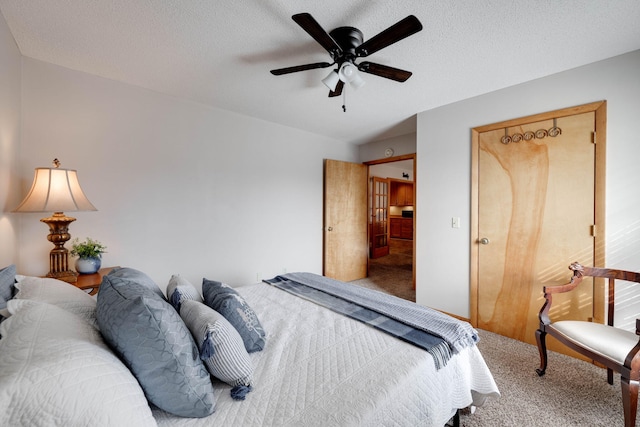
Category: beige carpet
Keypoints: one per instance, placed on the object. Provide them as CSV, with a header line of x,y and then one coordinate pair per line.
x,y
571,393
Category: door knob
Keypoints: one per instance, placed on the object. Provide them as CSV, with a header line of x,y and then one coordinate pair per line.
x,y
330,229
484,241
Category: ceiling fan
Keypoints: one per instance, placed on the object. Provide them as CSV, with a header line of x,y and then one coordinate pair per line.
x,y
345,45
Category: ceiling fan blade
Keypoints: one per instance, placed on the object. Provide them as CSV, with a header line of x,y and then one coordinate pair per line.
x,y
398,31
384,71
338,90
295,69
311,26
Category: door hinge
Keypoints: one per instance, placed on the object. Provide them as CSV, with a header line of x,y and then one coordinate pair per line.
x,y
593,230
593,138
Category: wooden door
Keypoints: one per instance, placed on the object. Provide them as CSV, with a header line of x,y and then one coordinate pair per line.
x,y
536,199
345,220
379,214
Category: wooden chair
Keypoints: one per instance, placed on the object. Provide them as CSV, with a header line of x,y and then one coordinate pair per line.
x,y
616,349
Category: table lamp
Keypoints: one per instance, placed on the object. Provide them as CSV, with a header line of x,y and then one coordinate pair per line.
x,y
57,190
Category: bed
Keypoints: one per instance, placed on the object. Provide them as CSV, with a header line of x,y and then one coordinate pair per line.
x,y
317,367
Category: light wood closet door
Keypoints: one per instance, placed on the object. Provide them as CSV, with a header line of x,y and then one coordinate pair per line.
x,y
536,211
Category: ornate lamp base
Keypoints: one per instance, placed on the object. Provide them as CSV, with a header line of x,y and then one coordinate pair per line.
x,y
59,255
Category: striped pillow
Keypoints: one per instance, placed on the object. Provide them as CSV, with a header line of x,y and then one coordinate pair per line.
x,y
180,289
221,347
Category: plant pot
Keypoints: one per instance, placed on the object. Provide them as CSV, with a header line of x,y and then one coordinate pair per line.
x,y
88,265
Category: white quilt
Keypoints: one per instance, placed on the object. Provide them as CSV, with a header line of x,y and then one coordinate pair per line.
x,y
320,368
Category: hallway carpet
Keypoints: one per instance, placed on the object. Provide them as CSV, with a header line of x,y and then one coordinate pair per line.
x,y
392,273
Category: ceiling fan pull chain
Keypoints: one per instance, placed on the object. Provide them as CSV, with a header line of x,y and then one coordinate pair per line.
x,y
344,100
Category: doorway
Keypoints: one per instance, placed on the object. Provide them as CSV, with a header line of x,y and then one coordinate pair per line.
x,y
537,206
391,225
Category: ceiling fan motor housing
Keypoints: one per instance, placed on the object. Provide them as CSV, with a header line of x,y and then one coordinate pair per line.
x,y
348,38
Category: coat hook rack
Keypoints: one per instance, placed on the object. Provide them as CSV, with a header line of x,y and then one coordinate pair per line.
x,y
530,135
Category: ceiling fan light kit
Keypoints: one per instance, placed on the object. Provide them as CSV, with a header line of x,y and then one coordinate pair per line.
x,y
349,74
345,45
331,81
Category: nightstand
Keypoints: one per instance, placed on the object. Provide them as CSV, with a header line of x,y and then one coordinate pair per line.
x,y
91,282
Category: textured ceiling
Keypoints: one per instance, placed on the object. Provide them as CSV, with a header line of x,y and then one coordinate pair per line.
x,y
220,52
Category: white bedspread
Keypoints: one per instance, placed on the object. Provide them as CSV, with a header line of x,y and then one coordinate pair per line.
x,y
320,368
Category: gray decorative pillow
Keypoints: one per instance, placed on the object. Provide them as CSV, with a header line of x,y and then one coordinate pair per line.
x,y
7,290
226,301
180,289
221,347
153,341
136,276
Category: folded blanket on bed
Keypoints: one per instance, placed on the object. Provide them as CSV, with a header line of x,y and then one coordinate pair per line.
x,y
439,334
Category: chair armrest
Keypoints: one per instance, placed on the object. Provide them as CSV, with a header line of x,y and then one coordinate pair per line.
x,y
578,271
558,289
576,279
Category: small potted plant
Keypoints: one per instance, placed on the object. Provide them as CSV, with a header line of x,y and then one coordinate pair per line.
x,y
89,253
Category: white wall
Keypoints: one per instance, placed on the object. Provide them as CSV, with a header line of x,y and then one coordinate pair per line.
x,y
444,166
403,144
9,141
179,187
392,170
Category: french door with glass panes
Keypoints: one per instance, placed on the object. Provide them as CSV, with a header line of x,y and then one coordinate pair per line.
x,y
379,221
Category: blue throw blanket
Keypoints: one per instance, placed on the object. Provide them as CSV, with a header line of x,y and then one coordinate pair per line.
x,y
439,334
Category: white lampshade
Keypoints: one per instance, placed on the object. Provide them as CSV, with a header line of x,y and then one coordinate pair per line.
x,y
331,81
55,190
357,81
349,74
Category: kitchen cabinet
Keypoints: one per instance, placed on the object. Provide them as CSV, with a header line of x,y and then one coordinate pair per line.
x,y
401,228
400,193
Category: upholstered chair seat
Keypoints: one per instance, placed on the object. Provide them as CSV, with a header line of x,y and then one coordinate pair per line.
x,y
609,342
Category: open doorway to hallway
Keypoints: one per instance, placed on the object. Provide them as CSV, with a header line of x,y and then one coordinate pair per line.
x,y
391,227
